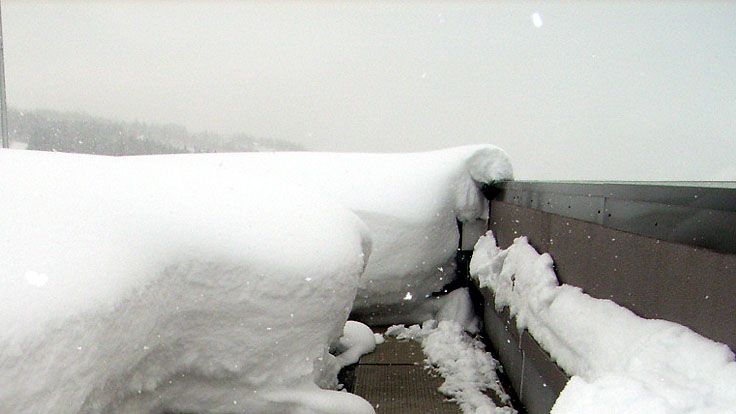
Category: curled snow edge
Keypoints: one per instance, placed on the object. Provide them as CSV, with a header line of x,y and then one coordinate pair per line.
x,y
619,362
410,202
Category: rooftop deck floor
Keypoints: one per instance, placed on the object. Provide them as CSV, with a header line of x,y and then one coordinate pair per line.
x,y
394,380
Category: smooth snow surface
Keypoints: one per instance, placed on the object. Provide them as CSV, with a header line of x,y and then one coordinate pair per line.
x,y
619,362
461,360
410,203
138,287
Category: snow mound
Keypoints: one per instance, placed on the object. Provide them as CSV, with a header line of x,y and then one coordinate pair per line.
x,y
132,287
619,362
410,203
357,340
458,307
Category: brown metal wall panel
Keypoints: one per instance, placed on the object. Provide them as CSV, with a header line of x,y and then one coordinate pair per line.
x,y
535,378
507,224
504,341
543,379
692,286
606,263
688,285
694,214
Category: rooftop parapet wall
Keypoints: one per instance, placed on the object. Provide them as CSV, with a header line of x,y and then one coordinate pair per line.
x,y
655,278
694,214
658,271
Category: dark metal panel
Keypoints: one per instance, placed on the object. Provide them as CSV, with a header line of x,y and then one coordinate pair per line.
x,y
543,379
696,216
712,229
640,246
696,196
536,380
503,339
655,279
507,225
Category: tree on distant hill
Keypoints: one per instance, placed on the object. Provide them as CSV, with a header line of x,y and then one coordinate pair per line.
x,y
81,133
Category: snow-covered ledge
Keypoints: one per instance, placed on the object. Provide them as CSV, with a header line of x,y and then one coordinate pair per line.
x,y
619,362
136,287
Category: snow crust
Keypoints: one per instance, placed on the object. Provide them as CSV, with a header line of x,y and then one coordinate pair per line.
x,y
135,287
468,371
410,203
619,362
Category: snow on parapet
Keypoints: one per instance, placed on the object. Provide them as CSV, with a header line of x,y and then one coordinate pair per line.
x,y
618,361
132,287
410,203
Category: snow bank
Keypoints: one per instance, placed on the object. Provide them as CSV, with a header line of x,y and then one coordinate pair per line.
x,y
136,287
410,203
619,362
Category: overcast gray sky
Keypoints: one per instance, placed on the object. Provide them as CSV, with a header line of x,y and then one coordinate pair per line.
x,y
582,90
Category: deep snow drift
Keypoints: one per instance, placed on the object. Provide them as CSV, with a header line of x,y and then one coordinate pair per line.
x,y
410,203
619,362
136,287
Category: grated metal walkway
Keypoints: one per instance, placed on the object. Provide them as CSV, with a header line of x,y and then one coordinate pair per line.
x,y
394,380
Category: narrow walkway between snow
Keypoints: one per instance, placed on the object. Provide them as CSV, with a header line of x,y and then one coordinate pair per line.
x,y
394,380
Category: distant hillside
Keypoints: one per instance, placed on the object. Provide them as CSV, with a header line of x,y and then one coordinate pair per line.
x,y
81,133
